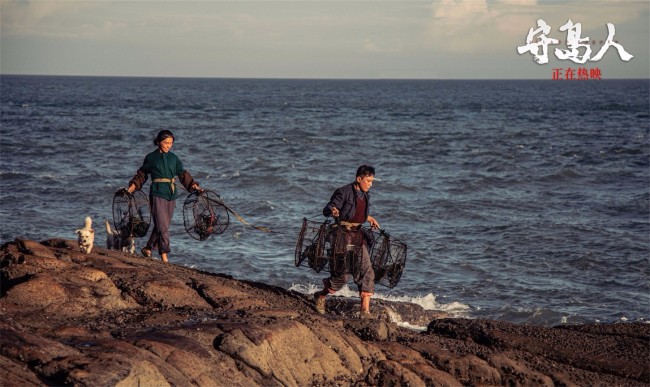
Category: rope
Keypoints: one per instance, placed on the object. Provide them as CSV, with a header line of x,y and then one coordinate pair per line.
x,y
172,182
240,218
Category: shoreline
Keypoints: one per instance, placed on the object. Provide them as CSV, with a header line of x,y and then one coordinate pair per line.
x,y
108,318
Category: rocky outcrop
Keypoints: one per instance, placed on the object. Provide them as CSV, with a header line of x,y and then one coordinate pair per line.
x,y
108,318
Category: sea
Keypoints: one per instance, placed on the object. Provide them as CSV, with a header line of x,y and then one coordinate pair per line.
x,y
525,201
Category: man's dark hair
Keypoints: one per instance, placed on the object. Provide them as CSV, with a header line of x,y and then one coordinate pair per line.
x,y
365,170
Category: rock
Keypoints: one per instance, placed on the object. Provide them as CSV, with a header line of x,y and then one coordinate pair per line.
x,y
611,349
109,318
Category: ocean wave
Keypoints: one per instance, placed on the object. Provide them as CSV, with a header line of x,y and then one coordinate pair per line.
x,y
536,316
566,174
427,302
14,175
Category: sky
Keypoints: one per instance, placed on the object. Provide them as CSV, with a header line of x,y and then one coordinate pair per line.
x,y
434,39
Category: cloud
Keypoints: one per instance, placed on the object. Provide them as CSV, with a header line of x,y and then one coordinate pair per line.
x,y
369,46
482,26
527,3
36,17
462,25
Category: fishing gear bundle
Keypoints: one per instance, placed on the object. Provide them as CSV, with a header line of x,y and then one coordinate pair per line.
x,y
131,213
345,249
388,258
335,249
329,247
311,246
205,214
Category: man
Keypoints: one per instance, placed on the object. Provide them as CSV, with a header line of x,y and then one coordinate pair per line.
x,y
350,204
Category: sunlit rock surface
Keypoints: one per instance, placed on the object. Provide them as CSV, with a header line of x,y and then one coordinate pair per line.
x,y
108,318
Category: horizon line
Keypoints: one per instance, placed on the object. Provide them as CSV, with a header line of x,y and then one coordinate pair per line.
x,y
308,78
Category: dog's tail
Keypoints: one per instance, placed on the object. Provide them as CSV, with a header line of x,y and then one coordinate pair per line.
x,y
88,224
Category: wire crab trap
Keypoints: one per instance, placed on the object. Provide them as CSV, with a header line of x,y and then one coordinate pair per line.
x,y
131,213
312,247
388,258
204,214
323,246
346,250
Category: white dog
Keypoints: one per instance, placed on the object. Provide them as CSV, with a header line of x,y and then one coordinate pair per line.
x,y
114,241
86,237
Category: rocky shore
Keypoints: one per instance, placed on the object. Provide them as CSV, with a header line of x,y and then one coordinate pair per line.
x,y
108,318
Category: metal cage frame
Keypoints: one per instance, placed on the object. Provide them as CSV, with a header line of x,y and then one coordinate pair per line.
x,y
335,249
204,215
131,213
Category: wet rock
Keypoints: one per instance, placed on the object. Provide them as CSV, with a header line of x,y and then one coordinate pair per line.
x,y
109,318
612,349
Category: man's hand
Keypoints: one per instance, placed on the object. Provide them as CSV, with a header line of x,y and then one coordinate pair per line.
x,y
335,212
373,222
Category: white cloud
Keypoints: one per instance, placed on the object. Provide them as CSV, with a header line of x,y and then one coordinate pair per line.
x,y
37,17
528,3
461,25
369,46
482,26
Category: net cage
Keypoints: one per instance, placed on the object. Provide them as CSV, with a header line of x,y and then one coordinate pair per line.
x,y
346,249
204,214
312,247
388,257
329,247
131,213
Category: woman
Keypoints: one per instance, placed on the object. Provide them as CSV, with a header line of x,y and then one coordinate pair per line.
x,y
164,168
